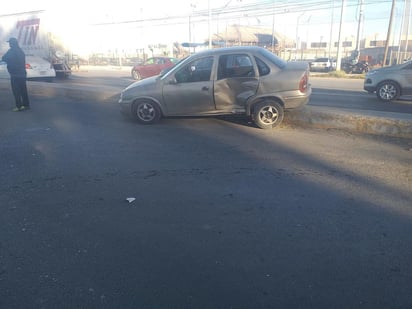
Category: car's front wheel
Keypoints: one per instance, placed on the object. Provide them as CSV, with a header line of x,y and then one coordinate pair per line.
x,y
387,91
268,114
136,75
146,112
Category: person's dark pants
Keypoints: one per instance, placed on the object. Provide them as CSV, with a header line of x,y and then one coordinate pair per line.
x,y
19,88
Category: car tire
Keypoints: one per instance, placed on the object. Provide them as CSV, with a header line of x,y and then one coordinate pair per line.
x,y
387,91
146,112
136,75
268,114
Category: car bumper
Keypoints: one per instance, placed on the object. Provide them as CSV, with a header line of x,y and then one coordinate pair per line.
x,y
125,109
369,88
125,105
295,100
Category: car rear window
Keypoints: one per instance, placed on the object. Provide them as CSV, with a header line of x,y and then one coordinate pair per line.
x,y
273,58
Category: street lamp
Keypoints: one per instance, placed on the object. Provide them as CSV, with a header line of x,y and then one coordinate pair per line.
x,y
319,46
297,34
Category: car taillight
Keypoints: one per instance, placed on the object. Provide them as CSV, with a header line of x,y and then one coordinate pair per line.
x,y
303,84
28,66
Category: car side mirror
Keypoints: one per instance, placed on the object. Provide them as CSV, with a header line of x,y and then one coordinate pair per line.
x,y
172,81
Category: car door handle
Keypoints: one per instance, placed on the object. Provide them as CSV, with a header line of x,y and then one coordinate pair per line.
x,y
205,88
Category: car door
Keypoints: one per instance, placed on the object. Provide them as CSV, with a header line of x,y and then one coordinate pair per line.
x,y
189,91
236,82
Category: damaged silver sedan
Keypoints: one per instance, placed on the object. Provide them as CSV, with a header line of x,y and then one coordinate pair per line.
x,y
238,80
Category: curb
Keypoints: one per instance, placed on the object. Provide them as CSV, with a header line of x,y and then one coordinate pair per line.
x,y
360,121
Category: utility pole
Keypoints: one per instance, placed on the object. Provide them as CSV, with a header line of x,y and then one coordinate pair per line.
x,y
273,28
210,23
388,36
331,26
359,28
339,55
408,8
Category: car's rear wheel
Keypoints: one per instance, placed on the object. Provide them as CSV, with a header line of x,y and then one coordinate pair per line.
x,y
146,112
268,114
387,91
136,75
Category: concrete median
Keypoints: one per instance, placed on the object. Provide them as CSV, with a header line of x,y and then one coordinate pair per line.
x,y
361,121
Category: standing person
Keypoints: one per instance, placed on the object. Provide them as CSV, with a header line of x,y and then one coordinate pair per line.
x,y
16,65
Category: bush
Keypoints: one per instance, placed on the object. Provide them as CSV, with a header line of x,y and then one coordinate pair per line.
x,y
339,74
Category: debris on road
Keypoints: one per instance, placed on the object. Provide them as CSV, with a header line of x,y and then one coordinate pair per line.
x,y
130,199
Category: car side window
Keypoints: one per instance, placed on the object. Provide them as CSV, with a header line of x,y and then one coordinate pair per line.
x,y
262,67
196,71
236,65
150,61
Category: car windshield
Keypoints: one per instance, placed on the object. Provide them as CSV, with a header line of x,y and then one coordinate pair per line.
x,y
322,60
273,58
175,63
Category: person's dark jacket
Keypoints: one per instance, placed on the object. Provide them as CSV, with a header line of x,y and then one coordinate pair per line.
x,y
16,61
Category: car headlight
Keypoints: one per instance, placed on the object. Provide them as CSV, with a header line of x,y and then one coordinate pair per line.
x,y
370,73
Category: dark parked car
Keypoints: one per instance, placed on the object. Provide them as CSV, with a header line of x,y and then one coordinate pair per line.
x,y
391,82
152,66
355,68
239,80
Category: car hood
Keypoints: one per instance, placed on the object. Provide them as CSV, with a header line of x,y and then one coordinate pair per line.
x,y
395,67
147,82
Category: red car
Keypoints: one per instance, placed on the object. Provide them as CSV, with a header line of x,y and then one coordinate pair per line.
x,y
152,66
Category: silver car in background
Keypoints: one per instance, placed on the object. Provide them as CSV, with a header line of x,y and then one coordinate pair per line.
x,y
238,80
390,82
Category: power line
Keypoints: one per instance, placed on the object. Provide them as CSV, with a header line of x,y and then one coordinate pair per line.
x,y
264,8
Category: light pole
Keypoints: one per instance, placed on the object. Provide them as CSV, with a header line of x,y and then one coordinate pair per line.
x,y
297,35
339,54
273,28
192,6
359,28
331,27
388,36
320,45
307,34
210,23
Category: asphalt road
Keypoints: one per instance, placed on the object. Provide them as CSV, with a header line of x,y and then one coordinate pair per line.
x,y
225,215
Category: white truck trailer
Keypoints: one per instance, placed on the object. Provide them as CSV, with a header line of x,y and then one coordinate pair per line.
x,y
44,58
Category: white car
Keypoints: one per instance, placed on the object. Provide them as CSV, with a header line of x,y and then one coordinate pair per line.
x,y
323,65
36,67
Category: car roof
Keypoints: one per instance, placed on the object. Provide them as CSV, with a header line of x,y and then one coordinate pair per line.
x,y
161,57
223,50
